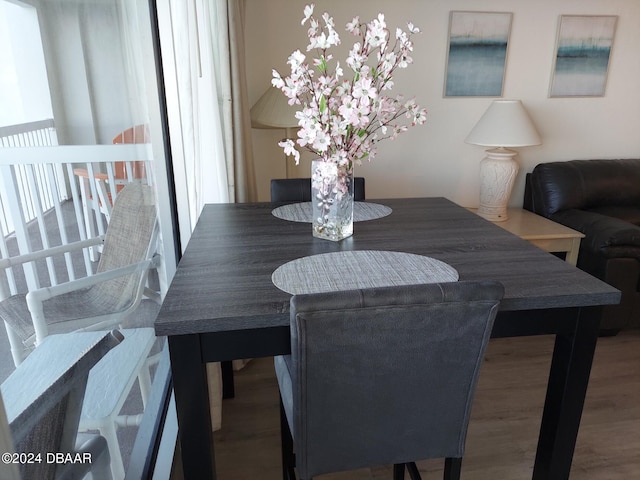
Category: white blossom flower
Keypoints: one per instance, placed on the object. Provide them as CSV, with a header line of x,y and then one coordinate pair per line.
x,y
410,106
308,11
388,61
290,149
339,72
321,142
342,119
419,117
353,26
296,59
364,90
277,81
388,85
376,32
314,26
328,21
347,108
404,62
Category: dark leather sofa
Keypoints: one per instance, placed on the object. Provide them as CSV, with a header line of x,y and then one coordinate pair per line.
x,y
600,198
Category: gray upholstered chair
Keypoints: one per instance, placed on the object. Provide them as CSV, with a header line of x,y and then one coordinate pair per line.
x,y
299,189
42,398
383,376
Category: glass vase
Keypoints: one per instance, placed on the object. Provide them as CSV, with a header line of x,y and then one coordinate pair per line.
x,y
332,200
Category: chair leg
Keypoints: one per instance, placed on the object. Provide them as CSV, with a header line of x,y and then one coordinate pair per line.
x,y
228,388
288,457
88,220
414,474
452,468
144,382
398,471
108,431
18,351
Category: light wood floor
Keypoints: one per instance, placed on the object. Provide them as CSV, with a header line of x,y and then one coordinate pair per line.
x,y
504,425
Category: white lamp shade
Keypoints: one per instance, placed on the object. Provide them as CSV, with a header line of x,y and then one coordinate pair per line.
x,y
506,123
272,110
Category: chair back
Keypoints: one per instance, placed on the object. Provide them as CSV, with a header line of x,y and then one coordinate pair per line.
x,y
135,134
299,189
130,238
386,375
43,397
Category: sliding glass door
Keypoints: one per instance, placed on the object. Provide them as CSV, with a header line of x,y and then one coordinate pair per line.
x,y
81,115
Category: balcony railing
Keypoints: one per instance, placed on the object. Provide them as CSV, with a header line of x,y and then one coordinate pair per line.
x,y
38,179
29,181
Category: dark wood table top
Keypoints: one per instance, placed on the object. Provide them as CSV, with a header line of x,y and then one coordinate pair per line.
x,y
223,281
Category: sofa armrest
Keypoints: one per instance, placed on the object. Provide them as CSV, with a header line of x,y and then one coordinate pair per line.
x,y
606,235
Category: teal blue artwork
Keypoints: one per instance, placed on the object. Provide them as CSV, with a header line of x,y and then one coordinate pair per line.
x,y
477,54
582,55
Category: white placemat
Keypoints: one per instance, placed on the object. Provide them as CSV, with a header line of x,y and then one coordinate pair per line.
x,y
350,270
301,212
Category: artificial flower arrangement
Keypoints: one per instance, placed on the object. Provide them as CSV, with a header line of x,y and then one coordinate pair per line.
x,y
342,118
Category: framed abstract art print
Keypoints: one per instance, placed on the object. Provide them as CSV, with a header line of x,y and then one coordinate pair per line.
x,y
477,54
583,48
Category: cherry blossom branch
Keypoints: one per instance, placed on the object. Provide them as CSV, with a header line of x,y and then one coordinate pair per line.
x,y
341,120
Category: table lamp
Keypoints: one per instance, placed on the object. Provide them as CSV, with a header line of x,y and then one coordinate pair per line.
x,y
504,124
272,110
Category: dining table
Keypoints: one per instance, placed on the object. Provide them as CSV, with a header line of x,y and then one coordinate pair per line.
x,y
222,303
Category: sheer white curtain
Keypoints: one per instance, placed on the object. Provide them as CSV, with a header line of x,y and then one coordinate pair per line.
x,y
135,47
194,110
203,59
202,44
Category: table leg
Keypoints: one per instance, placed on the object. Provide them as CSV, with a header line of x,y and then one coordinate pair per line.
x,y
566,391
572,255
192,404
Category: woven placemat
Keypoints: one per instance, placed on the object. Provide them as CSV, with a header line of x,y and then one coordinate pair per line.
x,y
301,212
350,270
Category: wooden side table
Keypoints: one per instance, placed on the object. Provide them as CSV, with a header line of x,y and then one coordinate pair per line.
x,y
542,232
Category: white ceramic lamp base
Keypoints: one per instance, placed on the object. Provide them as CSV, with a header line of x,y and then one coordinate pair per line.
x,y
498,172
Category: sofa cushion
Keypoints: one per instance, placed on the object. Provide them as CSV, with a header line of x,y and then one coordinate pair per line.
x,y
622,212
585,184
602,232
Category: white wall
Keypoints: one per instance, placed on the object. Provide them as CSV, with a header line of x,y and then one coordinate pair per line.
x,y
24,92
433,160
86,70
